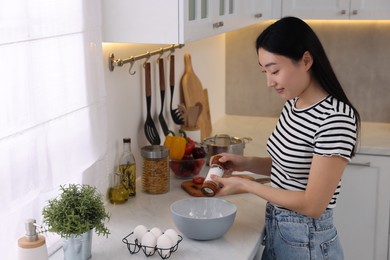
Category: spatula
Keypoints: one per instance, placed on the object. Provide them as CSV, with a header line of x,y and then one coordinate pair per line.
x,y
150,129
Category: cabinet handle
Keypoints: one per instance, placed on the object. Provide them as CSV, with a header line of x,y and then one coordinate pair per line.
x,y
217,24
364,164
259,15
343,11
354,12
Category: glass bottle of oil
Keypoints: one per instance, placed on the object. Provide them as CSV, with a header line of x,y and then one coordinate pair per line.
x,y
127,167
117,193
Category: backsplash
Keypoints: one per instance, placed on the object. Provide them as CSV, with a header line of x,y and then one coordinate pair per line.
x,y
125,93
358,51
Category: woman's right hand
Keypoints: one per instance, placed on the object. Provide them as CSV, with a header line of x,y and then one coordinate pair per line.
x,y
233,162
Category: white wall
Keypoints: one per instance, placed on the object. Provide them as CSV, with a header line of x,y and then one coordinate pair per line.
x,y
126,103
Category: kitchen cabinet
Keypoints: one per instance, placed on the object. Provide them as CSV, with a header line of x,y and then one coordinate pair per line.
x,y
178,21
337,9
362,214
254,11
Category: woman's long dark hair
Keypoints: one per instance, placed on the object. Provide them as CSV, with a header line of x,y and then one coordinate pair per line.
x,y
291,37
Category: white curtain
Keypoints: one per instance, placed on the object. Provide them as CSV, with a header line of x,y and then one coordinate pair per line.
x,y
52,105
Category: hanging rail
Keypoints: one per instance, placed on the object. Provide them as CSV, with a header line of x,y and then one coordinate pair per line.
x,y
112,62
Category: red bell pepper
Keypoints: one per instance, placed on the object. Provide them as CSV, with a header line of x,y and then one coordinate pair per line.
x,y
190,145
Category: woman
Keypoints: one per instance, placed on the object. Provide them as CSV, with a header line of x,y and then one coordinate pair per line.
x,y
309,149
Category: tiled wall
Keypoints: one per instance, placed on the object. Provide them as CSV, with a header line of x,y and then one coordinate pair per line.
x,y
358,50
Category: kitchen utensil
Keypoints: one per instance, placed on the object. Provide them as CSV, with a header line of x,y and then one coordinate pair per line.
x,y
181,108
223,143
193,93
193,114
203,218
175,114
163,124
150,129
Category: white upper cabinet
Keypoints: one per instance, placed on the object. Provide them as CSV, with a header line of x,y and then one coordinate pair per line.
x,y
373,9
317,9
254,11
337,9
178,21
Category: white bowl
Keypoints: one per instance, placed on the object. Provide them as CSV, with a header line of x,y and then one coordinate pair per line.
x,y
203,218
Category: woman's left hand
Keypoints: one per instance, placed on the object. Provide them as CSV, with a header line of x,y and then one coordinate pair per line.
x,y
231,185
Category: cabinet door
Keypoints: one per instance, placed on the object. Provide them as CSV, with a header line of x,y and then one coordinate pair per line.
x,y
374,9
337,9
195,20
254,11
205,18
146,21
362,214
355,213
226,16
317,9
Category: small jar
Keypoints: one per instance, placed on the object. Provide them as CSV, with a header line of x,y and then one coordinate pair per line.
x,y
155,169
210,187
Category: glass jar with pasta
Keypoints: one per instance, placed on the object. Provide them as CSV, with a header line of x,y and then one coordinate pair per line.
x,y
155,169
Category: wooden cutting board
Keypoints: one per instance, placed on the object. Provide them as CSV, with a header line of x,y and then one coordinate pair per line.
x,y
193,92
206,110
192,188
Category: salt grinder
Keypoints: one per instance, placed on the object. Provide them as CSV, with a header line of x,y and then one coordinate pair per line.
x,y
210,187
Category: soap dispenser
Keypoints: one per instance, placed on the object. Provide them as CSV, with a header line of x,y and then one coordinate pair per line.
x,y
32,245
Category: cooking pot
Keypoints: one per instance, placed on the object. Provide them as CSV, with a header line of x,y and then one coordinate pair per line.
x,y
223,143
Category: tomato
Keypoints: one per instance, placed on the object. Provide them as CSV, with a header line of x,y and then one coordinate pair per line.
x,y
198,180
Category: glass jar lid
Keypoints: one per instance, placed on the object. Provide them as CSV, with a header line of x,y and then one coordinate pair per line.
x,y
154,152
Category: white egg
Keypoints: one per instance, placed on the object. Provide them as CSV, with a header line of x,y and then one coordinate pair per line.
x,y
149,243
172,235
156,232
139,232
164,244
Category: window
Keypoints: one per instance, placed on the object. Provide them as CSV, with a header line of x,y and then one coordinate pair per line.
x,y
52,105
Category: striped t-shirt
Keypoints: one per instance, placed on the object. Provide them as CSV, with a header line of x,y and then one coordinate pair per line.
x,y
326,128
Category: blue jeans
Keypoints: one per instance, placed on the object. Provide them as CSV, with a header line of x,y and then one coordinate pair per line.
x,y
291,236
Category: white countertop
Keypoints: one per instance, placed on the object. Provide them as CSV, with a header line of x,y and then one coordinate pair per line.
x,y
375,137
240,242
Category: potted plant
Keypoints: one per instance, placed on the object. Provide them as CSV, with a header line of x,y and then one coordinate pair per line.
x,y
73,215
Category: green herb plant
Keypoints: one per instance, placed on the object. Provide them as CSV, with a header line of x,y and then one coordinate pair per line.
x,y
77,209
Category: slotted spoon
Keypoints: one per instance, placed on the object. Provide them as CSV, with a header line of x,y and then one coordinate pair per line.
x,y
150,129
175,113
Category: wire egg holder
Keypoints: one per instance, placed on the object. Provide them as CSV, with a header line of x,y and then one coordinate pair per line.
x,y
135,247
